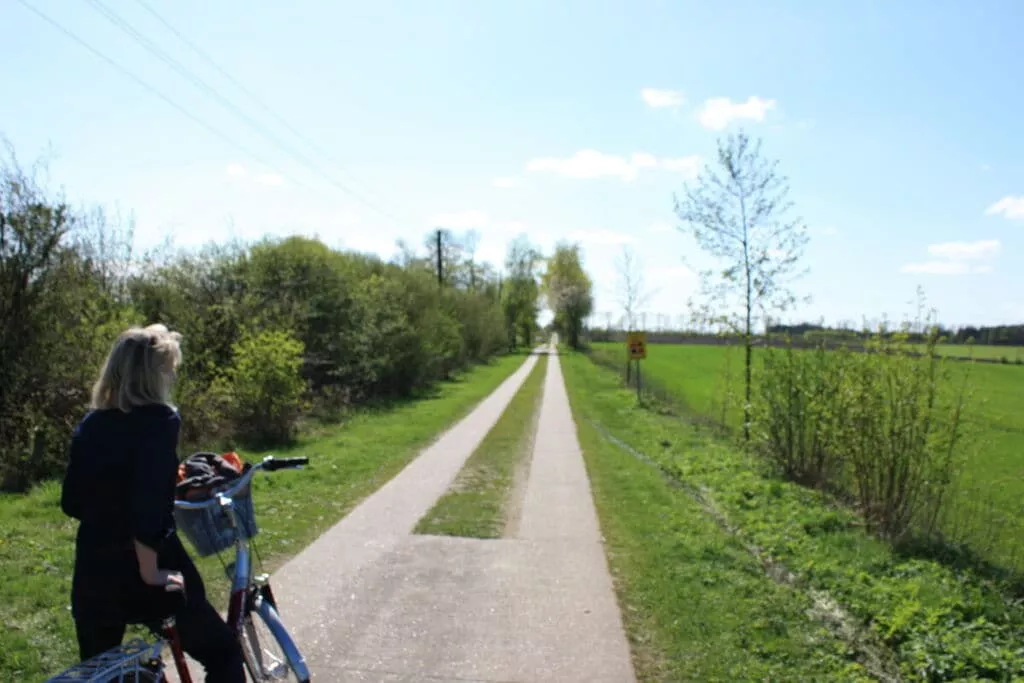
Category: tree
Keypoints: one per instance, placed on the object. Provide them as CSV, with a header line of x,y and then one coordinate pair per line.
x,y
739,215
632,293
470,241
521,295
569,291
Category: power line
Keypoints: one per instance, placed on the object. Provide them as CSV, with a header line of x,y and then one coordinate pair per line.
x,y
249,93
150,46
144,84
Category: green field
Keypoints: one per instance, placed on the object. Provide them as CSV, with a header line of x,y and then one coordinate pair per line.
x,y
1010,353
726,574
988,512
347,463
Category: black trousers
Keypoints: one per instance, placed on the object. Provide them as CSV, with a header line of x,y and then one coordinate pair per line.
x,y
204,636
107,594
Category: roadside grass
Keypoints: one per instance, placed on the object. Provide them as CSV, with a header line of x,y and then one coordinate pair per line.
x,y
347,463
987,509
936,622
696,605
479,502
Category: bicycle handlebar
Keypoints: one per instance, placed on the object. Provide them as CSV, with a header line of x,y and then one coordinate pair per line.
x,y
270,464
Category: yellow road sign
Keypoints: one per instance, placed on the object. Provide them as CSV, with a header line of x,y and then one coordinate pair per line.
x,y
636,342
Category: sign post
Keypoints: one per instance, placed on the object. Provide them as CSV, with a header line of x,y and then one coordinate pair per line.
x,y
636,344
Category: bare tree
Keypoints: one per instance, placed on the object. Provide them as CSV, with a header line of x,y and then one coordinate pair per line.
x,y
470,241
738,213
632,294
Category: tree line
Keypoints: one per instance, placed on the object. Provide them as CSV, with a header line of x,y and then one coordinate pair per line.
x,y
273,331
994,335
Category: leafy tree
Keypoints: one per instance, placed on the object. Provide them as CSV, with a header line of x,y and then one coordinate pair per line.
x,y
266,387
739,215
569,291
521,295
58,309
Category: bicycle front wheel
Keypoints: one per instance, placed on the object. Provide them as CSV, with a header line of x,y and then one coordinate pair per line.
x,y
269,651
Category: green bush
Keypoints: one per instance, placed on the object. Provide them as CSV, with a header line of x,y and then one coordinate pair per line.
x,y
265,387
798,411
883,426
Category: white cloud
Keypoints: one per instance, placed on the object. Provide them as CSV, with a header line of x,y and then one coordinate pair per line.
x,y
589,164
602,237
1008,207
470,218
965,251
688,166
719,112
507,182
660,228
937,268
957,258
239,171
659,99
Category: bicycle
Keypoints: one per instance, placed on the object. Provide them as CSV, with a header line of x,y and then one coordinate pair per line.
x,y
225,519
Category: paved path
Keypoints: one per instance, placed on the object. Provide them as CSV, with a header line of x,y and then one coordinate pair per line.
x,y
370,601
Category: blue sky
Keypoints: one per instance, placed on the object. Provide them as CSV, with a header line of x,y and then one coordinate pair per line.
x,y
898,125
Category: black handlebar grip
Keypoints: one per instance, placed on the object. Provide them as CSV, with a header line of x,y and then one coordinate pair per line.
x,y
284,463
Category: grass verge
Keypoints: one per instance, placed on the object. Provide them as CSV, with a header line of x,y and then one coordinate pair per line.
x,y
935,622
696,605
480,501
348,463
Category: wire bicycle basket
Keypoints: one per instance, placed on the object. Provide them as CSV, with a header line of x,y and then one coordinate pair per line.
x,y
133,662
209,529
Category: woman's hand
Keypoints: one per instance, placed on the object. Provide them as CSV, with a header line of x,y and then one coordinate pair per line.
x,y
151,575
171,581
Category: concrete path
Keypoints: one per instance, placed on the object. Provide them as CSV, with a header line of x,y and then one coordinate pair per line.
x,y
369,601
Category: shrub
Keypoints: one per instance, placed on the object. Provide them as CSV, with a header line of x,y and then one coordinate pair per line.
x,y
883,425
265,387
798,413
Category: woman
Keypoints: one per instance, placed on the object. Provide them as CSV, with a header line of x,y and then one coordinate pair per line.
x,y
130,565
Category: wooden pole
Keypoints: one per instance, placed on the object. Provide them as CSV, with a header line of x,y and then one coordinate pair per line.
x,y
440,263
638,385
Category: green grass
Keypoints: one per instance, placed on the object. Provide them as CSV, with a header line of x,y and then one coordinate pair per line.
x,y
480,502
935,622
348,462
988,509
1010,353
696,605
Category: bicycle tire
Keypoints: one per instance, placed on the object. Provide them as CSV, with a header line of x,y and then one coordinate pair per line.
x,y
256,654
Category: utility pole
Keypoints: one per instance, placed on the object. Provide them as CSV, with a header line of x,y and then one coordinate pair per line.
x,y
440,262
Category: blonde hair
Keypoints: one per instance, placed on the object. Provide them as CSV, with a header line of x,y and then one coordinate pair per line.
x,y
139,370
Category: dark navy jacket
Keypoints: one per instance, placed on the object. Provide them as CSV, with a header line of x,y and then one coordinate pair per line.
x,y
120,485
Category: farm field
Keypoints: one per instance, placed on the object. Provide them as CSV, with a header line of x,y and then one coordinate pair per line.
x,y
988,513
1010,353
